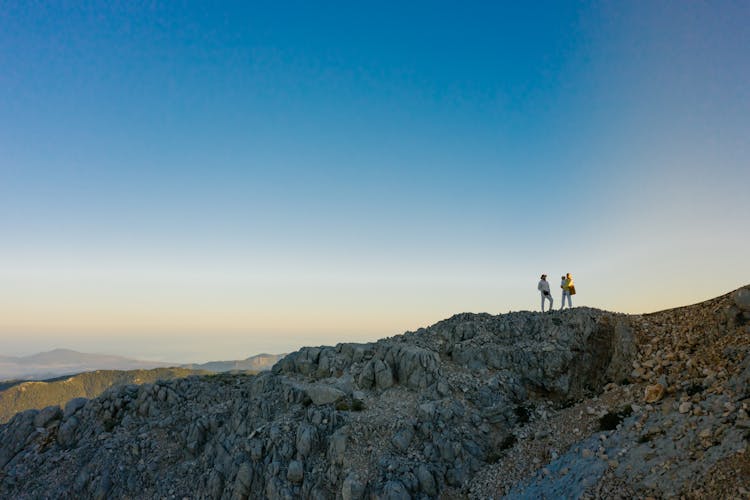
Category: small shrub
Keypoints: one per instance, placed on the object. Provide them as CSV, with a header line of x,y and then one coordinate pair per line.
x,y
508,442
522,413
611,420
693,389
109,425
644,438
350,405
567,403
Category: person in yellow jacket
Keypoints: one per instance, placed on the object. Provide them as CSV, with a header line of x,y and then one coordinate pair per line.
x,y
568,289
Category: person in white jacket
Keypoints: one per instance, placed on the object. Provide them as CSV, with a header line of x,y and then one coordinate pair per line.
x,y
543,288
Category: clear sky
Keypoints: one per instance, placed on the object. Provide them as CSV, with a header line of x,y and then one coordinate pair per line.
x,y
194,181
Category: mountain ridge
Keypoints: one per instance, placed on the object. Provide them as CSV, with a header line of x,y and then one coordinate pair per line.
x,y
62,361
38,394
575,403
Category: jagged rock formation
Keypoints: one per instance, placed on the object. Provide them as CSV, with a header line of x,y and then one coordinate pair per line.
x,y
40,394
474,406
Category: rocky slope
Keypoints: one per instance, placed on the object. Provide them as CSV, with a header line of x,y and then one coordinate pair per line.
x,y
40,394
579,403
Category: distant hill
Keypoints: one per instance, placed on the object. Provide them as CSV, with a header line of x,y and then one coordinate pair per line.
x,y
65,362
22,394
60,362
259,362
19,396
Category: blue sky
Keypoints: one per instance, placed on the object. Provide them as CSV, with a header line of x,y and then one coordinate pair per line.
x,y
260,176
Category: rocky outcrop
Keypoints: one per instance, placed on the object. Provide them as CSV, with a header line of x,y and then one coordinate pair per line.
x,y
40,394
473,406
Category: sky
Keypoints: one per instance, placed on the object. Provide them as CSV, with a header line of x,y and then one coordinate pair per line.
x,y
186,182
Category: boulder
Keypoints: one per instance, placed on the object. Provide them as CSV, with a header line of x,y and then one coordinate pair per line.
x,y
295,472
383,375
47,415
394,490
216,484
72,406
742,299
66,434
14,434
415,367
376,374
653,393
403,438
306,437
426,481
337,448
352,488
322,394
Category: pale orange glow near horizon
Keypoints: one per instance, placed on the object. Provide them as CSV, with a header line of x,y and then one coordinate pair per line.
x,y
213,190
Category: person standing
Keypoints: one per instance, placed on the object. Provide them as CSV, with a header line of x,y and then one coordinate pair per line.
x,y
567,286
543,288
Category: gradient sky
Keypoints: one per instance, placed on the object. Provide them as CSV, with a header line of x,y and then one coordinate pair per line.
x,y
191,182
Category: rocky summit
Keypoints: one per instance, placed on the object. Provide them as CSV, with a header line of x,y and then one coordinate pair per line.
x,y
579,403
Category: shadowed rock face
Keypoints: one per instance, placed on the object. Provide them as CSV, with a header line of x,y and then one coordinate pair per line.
x,y
563,355
416,415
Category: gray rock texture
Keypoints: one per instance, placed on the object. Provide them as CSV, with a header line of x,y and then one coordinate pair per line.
x,y
475,406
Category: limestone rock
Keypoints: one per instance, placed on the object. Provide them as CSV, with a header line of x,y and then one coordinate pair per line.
x,y
395,490
352,488
306,437
654,393
72,406
426,481
322,394
477,405
47,415
296,471
742,299
402,438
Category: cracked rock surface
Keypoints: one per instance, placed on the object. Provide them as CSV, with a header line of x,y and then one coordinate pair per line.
x,y
579,403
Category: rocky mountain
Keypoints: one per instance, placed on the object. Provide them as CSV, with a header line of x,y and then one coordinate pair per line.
x,y
579,403
40,394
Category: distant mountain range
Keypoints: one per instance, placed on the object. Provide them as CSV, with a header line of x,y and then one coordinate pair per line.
x,y
62,362
259,362
55,377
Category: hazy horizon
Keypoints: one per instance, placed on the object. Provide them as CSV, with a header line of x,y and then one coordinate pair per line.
x,y
150,353
194,349
193,182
